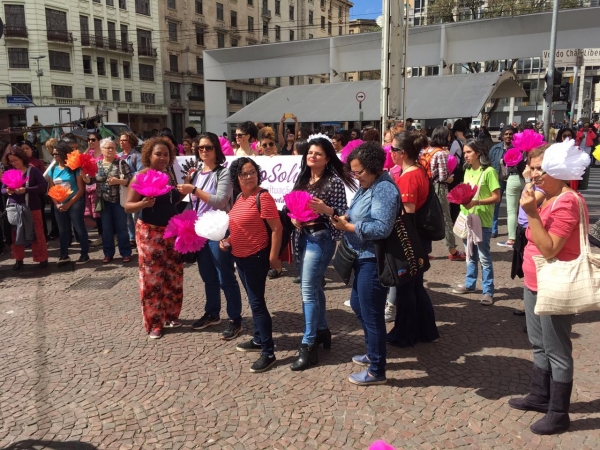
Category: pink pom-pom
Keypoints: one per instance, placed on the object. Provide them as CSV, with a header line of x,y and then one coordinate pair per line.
x,y
527,140
152,183
226,146
389,162
297,204
254,146
88,165
512,157
13,179
381,445
350,146
462,194
452,163
182,227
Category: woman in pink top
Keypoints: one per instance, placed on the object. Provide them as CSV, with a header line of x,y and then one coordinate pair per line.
x,y
553,232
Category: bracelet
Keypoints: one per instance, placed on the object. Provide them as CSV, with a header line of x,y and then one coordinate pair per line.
x,y
194,190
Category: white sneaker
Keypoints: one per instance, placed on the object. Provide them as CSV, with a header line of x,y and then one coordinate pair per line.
x,y
390,312
347,303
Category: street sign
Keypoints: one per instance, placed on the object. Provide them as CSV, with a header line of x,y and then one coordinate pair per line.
x,y
19,100
360,97
569,57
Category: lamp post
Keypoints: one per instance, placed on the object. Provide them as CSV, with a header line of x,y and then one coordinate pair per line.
x,y
39,73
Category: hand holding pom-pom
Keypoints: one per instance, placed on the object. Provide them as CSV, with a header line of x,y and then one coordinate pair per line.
x,y
13,179
512,157
182,227
151,183
297,204
462,194
213,225
59,193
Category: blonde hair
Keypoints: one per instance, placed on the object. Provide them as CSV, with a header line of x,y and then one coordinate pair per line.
x,y
266,133
50,144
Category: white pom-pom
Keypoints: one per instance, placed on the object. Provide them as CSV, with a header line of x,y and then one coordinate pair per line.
x,y
212,225
564,161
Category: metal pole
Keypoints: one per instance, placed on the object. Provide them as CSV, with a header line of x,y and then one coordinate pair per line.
x,y
550,83
39,78
405,59
537,88
385,44
19,91
574,91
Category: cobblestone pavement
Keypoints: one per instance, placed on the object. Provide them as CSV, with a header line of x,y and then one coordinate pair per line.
x,y
78,371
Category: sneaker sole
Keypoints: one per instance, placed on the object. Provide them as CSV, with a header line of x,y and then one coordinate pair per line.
x,y
264,369
369,383
248,350
209,324
463,292
83,262
155,337
171,326
361,363
236,334
62,263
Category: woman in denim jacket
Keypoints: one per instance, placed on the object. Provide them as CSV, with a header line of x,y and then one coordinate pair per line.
x,y
371,217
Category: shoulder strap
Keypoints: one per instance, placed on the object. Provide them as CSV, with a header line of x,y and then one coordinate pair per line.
x,y
258,198
26,186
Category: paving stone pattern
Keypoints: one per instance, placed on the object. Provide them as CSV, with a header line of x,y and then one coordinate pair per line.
x,y
78,371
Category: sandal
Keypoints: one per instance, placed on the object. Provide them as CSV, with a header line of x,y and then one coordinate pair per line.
x,y
126,259
107,259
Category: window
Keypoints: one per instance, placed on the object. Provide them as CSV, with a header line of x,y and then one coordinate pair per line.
x,y
89,93
123,4
277,7
250,24
112,35
198,6
85,30
199,66
87,64
291,81
126,69
147,97
175,90
62,91
322,22
266,29
100,66
310,18
173,63
20,88
292,13
15,19
128,96
310,80
234,42
323,4
266,81
417,21
197,93
432,70
277,33
59,61
114,68
291,35
278,81
146,72
171,4
329,28
18,58
116,95
310,36
172,31
350,78
351,32
110,3
56,20
250,80
103,94
250,2
235,96
98,33
220,15
124,35
418,5
234,19
200,36
142,7
220,40
339,31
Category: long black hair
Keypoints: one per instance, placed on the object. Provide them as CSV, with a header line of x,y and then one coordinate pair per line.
x,y
334,167
214,139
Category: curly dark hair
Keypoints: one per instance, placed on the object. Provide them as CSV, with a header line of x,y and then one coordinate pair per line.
x,y
370,155
131,137
236,168
63,148
214,139
372,135
17,153
149,145
249,128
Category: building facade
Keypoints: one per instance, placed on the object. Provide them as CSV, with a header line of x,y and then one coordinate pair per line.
x,y
90,53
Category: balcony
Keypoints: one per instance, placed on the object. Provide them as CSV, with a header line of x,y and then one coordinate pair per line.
x,y
266,13
15,32
147,52
111,44
65,37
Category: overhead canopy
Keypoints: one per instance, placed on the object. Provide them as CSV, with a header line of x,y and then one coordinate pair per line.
x,y
434,97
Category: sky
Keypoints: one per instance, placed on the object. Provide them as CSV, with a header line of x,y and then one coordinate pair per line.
x,y
366,9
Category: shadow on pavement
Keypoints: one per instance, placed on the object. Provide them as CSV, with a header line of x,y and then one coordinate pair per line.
x,y
50,445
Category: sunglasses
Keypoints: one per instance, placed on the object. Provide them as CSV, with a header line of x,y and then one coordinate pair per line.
x,y
206,148
55,154
268,144
396,149
247,174
92,140
239,135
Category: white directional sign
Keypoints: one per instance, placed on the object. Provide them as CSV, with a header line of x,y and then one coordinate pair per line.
x,y
568,57
360,97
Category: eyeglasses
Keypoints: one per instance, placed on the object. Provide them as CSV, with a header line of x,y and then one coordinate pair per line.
x,y
268,144
567,135
244,175
114,149
396,149
206,148
239,135
54,154
360,172
508,134
92,140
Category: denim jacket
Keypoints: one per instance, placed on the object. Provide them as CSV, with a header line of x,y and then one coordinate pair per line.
x,y
373,212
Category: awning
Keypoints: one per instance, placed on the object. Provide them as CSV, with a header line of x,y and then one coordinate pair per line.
x,y
432,97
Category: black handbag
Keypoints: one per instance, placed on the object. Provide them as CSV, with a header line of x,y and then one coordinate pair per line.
x,y
400,256
343,261
429,219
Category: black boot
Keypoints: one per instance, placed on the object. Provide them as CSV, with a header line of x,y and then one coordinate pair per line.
x,y
556,419
323,337
18,265
307,357
539,393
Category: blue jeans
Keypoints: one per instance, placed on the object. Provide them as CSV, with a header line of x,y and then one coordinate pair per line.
x,y
315,250
217,271
131,220
367,300
481,253
114,220
497,208
72,217
253,273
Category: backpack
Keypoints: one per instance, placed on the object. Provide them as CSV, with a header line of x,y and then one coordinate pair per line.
x,y
425,160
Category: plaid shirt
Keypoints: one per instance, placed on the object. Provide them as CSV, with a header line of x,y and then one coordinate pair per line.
x,y
438,163
110,193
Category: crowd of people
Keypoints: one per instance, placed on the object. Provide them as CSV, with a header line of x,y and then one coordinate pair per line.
x,y
542,220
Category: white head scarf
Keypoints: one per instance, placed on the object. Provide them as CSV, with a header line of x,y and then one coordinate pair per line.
x,y
564,161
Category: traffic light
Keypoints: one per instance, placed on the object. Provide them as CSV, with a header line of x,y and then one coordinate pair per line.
x,y
563,95
557,80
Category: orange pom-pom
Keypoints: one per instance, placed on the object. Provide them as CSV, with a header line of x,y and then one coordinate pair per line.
x,y
59,193
74,160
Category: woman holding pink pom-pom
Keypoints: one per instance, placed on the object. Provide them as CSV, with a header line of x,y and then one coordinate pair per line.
x,y
161,269
324,177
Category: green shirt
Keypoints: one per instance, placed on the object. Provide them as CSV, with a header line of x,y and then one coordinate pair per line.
x,y
489,183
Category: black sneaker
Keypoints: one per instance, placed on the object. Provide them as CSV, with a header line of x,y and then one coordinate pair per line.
x,y
248,346
205,321
83,259
63,260
296,280
263,363
232,331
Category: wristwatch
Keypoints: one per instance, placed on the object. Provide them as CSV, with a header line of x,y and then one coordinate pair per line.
x,y
194,190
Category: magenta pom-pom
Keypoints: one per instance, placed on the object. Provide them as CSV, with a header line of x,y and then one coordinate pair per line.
x,y
226,146
462,194
182,228
13,179
151,183
452,163
527,140
512,157
381,445
389,162
254,146
350,146
297,205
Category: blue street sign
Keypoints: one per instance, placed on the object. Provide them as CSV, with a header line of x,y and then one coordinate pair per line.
x,y
19,99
